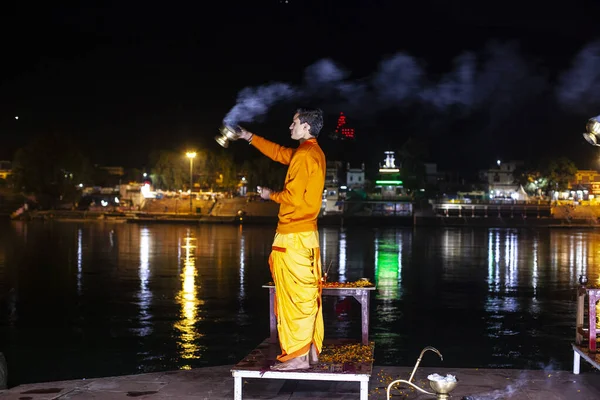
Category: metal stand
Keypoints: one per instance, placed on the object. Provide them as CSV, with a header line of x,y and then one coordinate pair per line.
x,y
361,294
580,349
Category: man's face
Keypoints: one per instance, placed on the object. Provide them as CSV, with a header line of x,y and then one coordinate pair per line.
x,y
299,130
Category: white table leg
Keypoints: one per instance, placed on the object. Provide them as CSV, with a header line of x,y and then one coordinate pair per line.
x,y
237,388
364,307
576,362
364,390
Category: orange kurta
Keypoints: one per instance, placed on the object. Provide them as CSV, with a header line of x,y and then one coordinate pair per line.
x,y
295,260
302,194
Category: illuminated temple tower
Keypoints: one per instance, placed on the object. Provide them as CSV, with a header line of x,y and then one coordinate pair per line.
x,y
342,130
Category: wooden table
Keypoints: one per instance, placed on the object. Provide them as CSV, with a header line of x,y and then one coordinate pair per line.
x,y
361,294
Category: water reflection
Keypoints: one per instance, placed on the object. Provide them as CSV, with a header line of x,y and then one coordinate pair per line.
x,y
242,263
342,257
503,260
388,266
21,229
9,283
511,250
79,259
144,294
333,251
578,257
3,271
493,257
187,298
511,290
535,275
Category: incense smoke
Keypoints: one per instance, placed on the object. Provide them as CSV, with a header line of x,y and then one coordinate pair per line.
x,y
512,388
253,102
499,80
579,87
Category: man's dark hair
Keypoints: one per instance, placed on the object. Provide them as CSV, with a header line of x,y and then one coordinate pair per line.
x,y
313,117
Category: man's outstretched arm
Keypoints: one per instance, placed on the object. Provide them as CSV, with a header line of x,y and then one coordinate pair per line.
x,y
272,150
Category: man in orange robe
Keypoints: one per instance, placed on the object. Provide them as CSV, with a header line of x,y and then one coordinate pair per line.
x,y
295,260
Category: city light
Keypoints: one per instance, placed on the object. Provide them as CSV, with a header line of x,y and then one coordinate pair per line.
x,y
388,182
191,155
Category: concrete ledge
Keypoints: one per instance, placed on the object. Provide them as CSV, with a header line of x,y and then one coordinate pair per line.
x,y
216,383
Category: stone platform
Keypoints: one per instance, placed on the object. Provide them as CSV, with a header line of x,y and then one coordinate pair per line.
x,y
341,361
217,383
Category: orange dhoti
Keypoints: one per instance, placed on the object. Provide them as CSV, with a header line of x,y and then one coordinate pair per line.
x,y
296,270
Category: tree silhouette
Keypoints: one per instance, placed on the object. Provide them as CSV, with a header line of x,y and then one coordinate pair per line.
x,y
169,170
51,167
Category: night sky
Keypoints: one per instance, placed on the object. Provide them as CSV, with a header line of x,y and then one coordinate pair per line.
x,y
476,81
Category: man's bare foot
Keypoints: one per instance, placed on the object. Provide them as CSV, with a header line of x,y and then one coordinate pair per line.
x,y
313,356
293,364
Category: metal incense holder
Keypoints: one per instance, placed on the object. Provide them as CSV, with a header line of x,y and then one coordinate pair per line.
x,y
442,388
592,131
227,134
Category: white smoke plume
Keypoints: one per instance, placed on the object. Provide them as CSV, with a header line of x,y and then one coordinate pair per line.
x,y
498,80
579,87
513,388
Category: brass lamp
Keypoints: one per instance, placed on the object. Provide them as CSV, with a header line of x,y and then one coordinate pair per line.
x,y
592,131
227,135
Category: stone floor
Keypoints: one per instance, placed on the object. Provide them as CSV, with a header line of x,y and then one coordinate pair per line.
x,y
217,383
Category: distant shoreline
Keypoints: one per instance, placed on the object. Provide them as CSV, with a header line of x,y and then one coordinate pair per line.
x,y
327,220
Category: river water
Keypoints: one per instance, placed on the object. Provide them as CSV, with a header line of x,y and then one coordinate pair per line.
x,y
90,299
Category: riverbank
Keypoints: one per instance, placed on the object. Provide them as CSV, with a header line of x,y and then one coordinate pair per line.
x,y
239,210
326,220
216,383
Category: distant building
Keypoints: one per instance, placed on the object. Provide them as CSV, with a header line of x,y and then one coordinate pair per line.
x,y
116,171
388,184
355,177
501,180
585,183
333,173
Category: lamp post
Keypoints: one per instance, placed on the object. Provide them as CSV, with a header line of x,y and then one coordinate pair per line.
x,y
191,155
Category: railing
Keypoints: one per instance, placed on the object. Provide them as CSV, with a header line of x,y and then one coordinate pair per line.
x,y
512,210
390,208
501,202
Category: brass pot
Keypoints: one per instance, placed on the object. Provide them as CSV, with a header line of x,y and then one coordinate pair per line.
x,y
592,134
228,134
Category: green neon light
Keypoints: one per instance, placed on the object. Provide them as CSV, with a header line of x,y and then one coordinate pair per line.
x,y
388,182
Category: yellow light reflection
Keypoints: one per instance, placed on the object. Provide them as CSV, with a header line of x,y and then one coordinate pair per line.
x,y
188,300
580,258
574,254
145,294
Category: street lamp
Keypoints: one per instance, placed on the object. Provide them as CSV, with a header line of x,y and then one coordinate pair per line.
x,y
191,155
